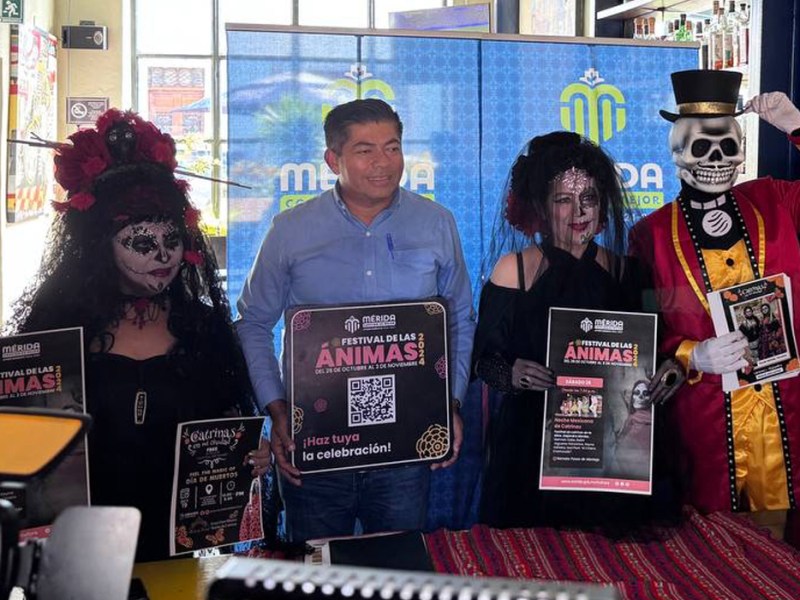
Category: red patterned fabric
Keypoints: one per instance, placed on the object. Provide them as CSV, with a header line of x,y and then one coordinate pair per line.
x,y
719,556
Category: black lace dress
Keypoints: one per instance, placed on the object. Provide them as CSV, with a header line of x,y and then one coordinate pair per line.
x,y
130,464
512,324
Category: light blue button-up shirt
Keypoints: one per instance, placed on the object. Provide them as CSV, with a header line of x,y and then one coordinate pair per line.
x,y
319,253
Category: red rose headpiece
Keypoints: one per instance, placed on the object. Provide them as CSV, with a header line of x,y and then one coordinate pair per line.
x,y
127,165
119,140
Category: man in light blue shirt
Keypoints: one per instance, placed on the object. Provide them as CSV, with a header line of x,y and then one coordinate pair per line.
x,y
366,240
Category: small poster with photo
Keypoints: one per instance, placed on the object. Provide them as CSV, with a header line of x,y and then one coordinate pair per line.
x,y
216,501
368,385
762,311
598,426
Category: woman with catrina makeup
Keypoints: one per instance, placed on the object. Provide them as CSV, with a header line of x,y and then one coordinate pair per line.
x,y
563,193
126,260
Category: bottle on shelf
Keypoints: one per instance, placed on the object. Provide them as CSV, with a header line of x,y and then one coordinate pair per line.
x,y
682,34
727,39
732,26
714,32
744,33
702,35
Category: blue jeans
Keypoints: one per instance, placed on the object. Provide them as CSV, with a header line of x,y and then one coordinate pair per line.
x,y
329,504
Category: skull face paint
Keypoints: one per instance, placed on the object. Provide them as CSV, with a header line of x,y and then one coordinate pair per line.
x,y
148,255
574,208
707,152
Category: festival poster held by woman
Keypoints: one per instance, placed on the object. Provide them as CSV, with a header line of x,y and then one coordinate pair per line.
x,y
126,260
563,195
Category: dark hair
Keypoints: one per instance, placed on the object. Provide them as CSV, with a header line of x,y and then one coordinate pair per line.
x,y
368,110
522,216
77,284
548,156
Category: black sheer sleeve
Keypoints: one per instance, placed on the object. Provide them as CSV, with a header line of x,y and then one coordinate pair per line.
x,y
491,355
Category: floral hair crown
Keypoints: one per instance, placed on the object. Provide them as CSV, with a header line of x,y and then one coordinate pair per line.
x,y
119,139
120,143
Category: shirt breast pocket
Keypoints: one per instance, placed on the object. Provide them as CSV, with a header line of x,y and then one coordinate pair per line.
x,y
414,272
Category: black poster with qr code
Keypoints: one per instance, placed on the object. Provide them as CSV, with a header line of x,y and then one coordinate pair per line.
x,y
368,385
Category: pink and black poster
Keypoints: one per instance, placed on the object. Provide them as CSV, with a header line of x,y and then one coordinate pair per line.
x,y
368,385
599,419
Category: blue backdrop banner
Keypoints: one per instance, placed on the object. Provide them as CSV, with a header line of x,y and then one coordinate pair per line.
x,y
468,107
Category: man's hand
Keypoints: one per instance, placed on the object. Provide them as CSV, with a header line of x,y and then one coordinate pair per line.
x,y
530,375
260,459
776,109
721,354
458,436
666,381
280,442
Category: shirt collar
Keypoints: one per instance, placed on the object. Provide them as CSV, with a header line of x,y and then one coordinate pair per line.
x,y
384,214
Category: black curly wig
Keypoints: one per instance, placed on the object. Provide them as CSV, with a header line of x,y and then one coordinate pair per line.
x,y
522,218
77,284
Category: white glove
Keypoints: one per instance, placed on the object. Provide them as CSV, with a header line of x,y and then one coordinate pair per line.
x,y
721,354
776,109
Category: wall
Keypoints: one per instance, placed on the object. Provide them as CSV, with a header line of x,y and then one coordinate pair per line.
x,y
80,73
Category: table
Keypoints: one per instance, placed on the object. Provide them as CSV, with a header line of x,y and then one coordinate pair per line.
x,y
179,579
722,555
719,556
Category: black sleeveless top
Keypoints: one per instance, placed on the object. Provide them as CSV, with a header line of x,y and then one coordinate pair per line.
x,y
513,323
130,464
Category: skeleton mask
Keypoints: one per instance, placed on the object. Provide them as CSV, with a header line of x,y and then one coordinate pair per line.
x,y
640,396
708,152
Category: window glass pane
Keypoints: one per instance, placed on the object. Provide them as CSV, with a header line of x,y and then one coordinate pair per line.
x,y
222,209
174,92
384,7
273,12
173,27
324,13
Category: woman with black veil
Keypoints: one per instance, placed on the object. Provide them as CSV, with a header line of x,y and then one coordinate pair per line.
x,y
563,195
126,260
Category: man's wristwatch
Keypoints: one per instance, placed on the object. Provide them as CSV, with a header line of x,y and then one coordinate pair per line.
x,y
456,403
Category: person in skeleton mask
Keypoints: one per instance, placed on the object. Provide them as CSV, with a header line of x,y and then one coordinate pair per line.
x,y
739,450
126,260
563,192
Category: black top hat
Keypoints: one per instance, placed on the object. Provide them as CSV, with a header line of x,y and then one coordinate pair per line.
x,y
705,94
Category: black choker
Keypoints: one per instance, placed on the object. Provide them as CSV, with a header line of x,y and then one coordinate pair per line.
x,y
145,308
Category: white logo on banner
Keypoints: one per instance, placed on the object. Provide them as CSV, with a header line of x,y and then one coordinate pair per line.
x,y
352,325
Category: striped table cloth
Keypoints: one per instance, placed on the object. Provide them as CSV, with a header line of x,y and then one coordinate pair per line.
x,y
719,556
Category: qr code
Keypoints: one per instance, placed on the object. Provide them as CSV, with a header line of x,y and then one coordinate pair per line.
x,y
370,400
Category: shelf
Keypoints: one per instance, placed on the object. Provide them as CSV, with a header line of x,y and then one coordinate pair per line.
x,y
639,8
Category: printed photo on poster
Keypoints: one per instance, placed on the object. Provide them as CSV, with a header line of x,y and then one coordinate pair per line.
x,y
368,385
598,432
578,423
44,370
215,499
761,310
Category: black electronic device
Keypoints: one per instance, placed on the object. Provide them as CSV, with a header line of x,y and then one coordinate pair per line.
x,y
257,579
84,37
